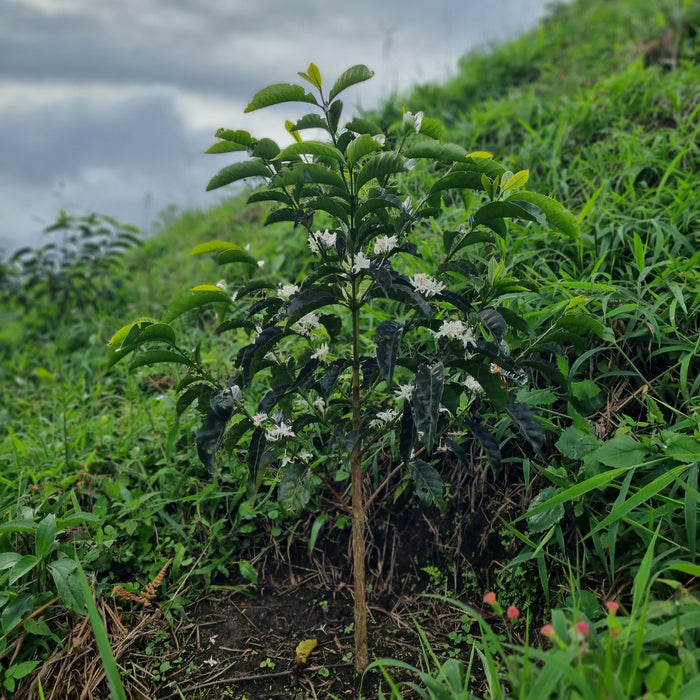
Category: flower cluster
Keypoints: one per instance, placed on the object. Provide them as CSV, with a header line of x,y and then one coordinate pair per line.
x,y
306,324
321,240
385,244
425,284
383,417
287,291
456,330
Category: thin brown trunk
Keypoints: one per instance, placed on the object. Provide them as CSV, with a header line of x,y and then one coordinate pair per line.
x,y
358,508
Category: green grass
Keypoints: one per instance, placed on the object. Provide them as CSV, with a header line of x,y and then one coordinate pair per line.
x,y
601,103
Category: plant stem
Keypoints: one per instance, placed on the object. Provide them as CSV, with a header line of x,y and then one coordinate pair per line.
x,y
358,509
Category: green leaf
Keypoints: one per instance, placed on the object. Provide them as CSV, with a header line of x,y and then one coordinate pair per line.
x,y
45,536
248,571
214,247
557,215
363,126
407,435
621,451
502,210
516,181
311,148
240,137
387,339
432,128
137,334
378,167
225,147
352,76
428,483
21,669
582,323
522,417
488,443
310,121
305,302
427,148
9,559
315,529
22,567
270,196
575,443
426,401
294,490
279,93
254,458
266,149
235,255
195,299
494,322
458,179
210,432
237,171
65,576
361,146
154,357
544,519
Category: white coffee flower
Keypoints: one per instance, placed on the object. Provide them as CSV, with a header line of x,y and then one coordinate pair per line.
x,y
306,324
472,385
456,330
221,284
258,419
321,354
382,418
405,391
321,240
385,244
286,291
320,404
426,285
234,296
379,139
275,432
360,262
261,263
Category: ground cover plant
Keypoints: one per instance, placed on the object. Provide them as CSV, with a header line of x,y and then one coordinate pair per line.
x,y
97,469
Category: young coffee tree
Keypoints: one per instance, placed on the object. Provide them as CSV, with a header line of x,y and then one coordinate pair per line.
x,y
368,358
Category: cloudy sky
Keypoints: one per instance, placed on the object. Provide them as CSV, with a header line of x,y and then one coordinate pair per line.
x,y
108,105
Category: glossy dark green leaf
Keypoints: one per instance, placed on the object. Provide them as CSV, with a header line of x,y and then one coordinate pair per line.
x,y
270,196
352,76
458,179
281,215
237,171
136,334
407,432
199,392
501,210
235,255
427,148
311,148
488,443
307,301
154,357
363,126
334,112
266,149
379,167
319,174
254,458
522,418
428,483
489,167
430,382
336,208
279,93
310,121
494,322
226,147
195,299
240,137
387,338
557,215
360,147
45,536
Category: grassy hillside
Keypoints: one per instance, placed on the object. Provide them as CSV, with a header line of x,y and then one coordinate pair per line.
x,y
602,104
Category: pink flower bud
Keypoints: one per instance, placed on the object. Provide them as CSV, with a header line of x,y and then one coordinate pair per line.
x,y
612,606
490,598
548,631
512,613
582,628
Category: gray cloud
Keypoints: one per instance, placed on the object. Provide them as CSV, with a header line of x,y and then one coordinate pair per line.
x,y
107,106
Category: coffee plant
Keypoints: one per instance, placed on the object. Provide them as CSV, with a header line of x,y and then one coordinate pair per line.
x,y
358,374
